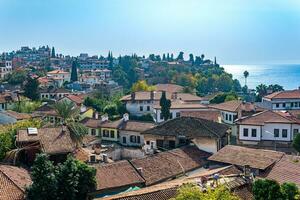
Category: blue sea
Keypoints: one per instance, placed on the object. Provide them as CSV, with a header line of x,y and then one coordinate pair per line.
x,y
287,75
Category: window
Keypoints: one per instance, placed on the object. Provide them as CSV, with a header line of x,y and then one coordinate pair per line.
x,y
93,131
178,114
283,105
276,132
230,117
141,108
277,105
226,117
245,132
296,104
112,134
171,115
148,108
148,142
284,133
124,140
138,139
105,133
292,104
133,138
253,132
161,116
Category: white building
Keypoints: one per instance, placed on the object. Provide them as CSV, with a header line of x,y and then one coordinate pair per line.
x,y
5,68
283,100
143,103
268,126
60,76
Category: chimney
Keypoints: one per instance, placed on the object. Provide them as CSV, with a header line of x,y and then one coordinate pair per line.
x,y
125,117
140,170
104,118
96,115
152,95
133,96
104,158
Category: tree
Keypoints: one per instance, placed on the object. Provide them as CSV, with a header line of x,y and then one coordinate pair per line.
x,y
6,143
31,88
165,105
264,189
236,86
164,57
202,57
16,77
44,180
53,53
246,74
142,86
69,115
289,191
191,59
193,192
180,56
296,143
261,91
74,76
275,88
71,180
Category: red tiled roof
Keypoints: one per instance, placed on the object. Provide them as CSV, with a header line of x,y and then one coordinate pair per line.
x,y
212,115
163,166
268,116
18,116
147,96
241,156
116,175
13,181
75,98
169,88
288,94
286,170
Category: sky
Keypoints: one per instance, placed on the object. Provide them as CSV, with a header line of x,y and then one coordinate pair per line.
x,y
235,31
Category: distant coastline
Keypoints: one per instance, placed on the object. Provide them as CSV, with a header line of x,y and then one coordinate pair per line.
x,y
287,75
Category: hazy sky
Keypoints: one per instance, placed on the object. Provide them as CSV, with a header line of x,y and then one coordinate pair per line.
x,y
236,31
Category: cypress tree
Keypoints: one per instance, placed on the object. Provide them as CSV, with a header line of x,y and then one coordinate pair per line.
x,y
165,105
53,53
31,89
74,76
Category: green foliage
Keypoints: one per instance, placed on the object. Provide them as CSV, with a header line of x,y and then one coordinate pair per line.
x,y
31,88
8,132
72,180
220,98
112,106
146,118
246,74
69,115
6,144
264,189
165,105
26,106
192,192
289,191
142,86
44,180
53,55
16,77
74,75
262,90
296,143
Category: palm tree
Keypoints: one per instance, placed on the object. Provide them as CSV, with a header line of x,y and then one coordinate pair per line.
x,y
246,74
261,91
69,115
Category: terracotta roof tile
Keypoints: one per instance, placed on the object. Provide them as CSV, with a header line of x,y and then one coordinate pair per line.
x,y
286,170
169,88
116,175
241,156
212,115
268,116
13,181
190,127
288,94
163,166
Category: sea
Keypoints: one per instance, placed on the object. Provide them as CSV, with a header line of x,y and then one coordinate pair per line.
x,y
286,75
